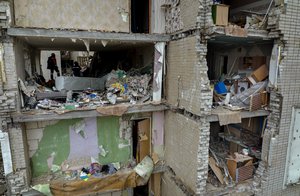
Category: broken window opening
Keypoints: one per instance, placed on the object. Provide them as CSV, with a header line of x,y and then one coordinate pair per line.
x,y
238,69
235,152
140,11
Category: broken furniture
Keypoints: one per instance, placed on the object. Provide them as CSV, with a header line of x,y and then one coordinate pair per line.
x,y
236,144
240,167
259,74
258,100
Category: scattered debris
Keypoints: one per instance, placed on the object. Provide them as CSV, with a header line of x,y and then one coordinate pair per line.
x,y
79,129
120,87
102,178
240,91
43,188
145,168
216,169
102,152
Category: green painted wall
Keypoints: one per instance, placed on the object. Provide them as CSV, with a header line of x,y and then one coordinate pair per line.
x,y
56,139
108,137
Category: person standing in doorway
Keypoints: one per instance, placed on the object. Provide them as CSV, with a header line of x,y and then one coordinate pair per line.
x,y
76,69
51,64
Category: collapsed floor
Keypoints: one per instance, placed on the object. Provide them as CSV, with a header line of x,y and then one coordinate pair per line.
x,y
235,153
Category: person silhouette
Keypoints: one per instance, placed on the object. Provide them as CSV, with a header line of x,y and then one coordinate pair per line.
x,y
52,65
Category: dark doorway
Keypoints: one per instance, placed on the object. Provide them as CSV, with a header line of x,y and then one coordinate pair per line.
x,y
141,190
141,147
141,139
140,16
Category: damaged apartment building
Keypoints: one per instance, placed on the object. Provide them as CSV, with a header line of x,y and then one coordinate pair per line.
x,y
160,97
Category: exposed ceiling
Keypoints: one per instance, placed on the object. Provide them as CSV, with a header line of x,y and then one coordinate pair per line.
x,y
231,41
46,43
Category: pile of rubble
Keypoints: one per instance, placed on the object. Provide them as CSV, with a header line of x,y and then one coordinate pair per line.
x,y
243,92
120,87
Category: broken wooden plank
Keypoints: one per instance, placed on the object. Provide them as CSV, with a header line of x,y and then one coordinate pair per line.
x,y
155,184
115,110
217,171
144,144
155,157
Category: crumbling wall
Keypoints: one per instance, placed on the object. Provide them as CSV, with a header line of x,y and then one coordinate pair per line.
x,y
183,81
19,180
181,147
188,88
34,133
6,14
169,187
79,14
8,79
189,13
106,139
287,95
181,15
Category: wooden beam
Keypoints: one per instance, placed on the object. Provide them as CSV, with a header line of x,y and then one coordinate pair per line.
x,y
217,171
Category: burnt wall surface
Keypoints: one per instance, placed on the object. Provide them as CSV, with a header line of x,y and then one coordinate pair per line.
x,y
272,171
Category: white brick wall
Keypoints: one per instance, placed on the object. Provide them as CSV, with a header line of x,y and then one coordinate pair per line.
x,y
8,98
34,133
16,135
181,147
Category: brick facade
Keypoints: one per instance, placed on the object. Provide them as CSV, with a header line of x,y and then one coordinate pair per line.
x,y
287,95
